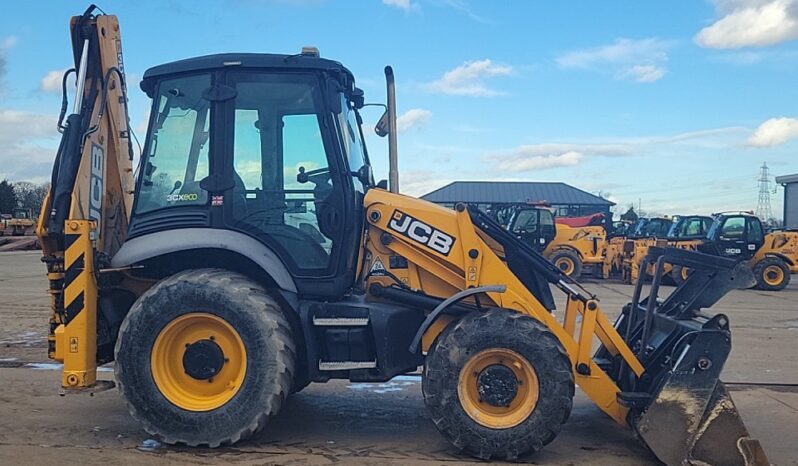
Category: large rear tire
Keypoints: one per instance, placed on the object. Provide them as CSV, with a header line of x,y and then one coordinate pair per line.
x,y
772,274
568,262
204,357
498,385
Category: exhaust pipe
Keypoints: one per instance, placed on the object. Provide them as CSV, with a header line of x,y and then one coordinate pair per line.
x,y
393,161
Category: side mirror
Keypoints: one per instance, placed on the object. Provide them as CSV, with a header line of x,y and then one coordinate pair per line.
x,y
382,126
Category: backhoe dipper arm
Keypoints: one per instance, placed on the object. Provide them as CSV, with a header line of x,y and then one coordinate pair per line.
x,y
85,214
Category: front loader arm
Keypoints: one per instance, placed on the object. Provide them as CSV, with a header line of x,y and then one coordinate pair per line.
x,y
84,218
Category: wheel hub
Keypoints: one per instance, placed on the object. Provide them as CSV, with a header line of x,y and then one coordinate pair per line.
x,y
497,385
203,359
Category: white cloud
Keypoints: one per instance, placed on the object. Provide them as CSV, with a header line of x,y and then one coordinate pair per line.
x,y
51,82
29,142
774,132
469,79
645,73
641,60
415,117
530,157
405,5
751,23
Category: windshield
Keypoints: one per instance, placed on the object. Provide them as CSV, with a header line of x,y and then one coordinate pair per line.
x,y
349,123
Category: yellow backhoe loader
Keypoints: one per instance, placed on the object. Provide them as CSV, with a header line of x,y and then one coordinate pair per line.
x,y
200,281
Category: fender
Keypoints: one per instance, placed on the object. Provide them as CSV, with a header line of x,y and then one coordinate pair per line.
x,y
160,243
783,257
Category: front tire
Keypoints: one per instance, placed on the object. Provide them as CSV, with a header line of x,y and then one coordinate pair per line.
x,y
204,357
772,274
498,385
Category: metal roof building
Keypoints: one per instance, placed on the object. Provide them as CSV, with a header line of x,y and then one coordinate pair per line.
x,y
790,183
566,199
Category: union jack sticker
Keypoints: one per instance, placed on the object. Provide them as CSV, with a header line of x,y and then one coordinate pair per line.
x,y
217,201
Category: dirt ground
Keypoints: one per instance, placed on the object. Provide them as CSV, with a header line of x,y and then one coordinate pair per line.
x,y
342,422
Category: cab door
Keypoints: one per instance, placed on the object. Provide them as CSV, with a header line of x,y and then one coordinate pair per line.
x,y
737,236
291,188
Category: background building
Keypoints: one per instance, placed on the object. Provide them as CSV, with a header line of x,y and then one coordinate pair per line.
x,y
790,183
567,200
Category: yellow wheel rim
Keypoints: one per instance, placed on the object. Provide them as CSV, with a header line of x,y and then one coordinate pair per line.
x,y
171,376
472,393
566,265
773,275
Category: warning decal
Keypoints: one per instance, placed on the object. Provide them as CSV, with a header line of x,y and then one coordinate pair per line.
x,y
377,267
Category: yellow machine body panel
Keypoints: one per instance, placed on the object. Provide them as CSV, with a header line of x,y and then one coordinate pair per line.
x,y
588,242
447,254
783,244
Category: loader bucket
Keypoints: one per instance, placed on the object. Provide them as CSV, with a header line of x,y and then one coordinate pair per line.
x,y
679,407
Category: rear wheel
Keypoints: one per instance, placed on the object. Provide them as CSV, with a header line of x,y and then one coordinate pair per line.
x,y
498,385
568,262
772,274
204,357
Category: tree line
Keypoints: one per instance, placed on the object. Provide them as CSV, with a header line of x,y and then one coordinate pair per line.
x,y
22,194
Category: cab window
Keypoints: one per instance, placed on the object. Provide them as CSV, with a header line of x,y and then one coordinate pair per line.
x,y
526,222
755,233
178,140
351,139
733,229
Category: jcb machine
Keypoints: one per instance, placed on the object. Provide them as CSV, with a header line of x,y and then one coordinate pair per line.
x,y
20,223
772,256
216,304
572,245
684,232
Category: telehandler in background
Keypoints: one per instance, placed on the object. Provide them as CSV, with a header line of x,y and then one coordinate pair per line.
x,y
572,244
772,256
198,280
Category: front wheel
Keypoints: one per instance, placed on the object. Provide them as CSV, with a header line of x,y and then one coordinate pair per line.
x,y
204,357
498,385
679,274
772,274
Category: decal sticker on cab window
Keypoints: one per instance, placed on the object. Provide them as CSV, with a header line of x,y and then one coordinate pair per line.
x,y
182,197
420,232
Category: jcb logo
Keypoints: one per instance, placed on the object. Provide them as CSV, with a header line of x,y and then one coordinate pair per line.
x,y
97,188
420,232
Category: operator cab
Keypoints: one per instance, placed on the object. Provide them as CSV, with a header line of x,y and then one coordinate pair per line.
x,y
651,228
690,227
737,236
534,226
268,146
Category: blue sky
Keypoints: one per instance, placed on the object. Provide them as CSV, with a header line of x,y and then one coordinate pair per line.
x,y
674,104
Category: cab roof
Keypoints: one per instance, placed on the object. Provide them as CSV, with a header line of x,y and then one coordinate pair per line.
x,y
244,61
